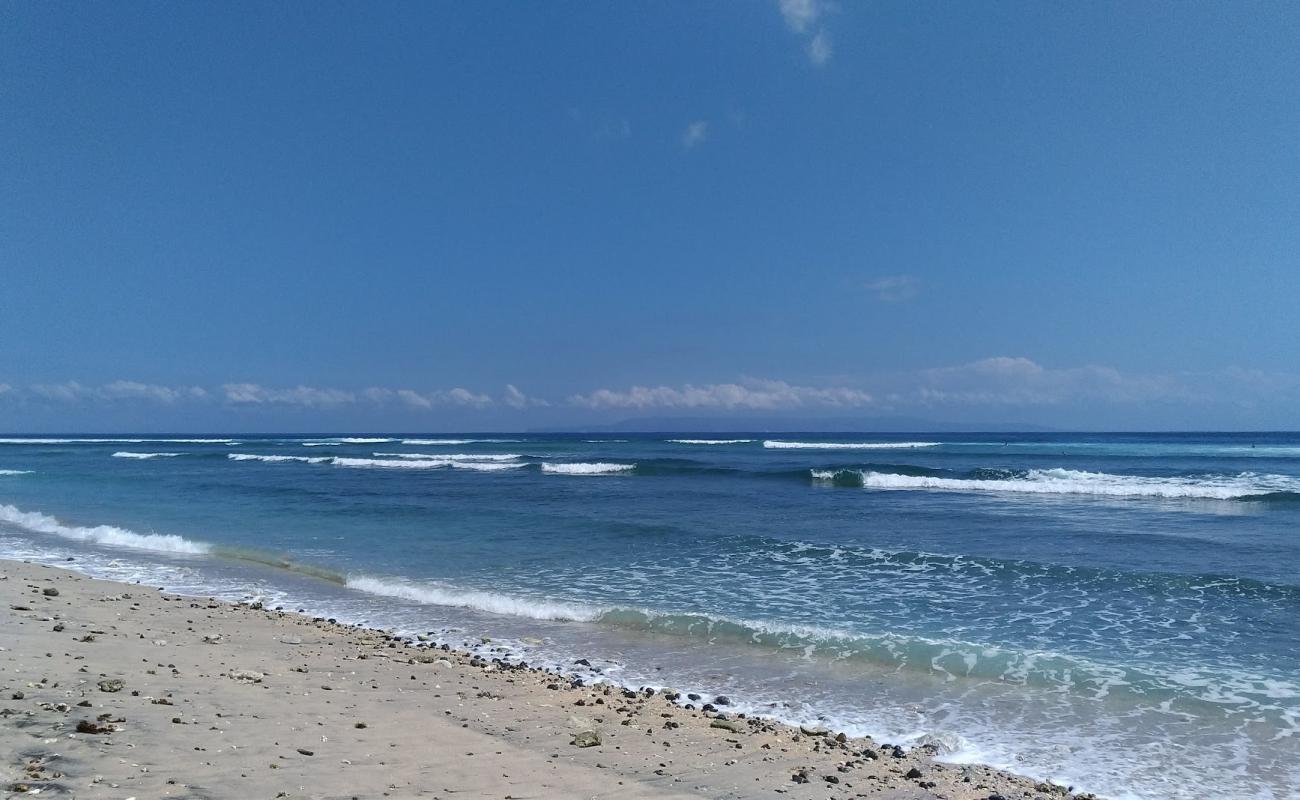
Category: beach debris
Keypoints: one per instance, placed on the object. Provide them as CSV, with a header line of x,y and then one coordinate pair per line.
x,y
212,638
246,675
86,726
111,685
587,738
306,752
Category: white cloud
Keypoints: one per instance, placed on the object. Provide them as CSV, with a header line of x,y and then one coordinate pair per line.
x,y
695,134
802,17
464,397
752,394
414,399
800,14
306,396
517,399
893,288
819,49
72,391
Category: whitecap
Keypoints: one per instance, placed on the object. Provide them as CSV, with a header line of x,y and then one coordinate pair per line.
x,y
36,522
595,468
780,445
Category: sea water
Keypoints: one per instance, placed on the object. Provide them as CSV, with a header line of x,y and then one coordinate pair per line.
x,y
1120,613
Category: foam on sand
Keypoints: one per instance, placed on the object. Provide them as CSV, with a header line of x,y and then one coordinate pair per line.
x,y
109,535
594,468
779,445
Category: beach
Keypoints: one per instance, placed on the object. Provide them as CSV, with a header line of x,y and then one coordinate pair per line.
x,y
118,690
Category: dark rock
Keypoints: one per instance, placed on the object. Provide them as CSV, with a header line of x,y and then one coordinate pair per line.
x,y
722,700
306,752
800,777
58,627
831,778
913,774
86,726
17,696
111,685
50,592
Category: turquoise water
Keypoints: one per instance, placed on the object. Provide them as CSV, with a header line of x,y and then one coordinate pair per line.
x,y
1116,612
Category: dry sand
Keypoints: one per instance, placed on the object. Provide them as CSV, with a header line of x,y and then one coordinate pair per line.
x,y
114,690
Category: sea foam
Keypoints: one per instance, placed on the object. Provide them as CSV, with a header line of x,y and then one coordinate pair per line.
x,y
454,456
126,454
594,468
15,472
110,535
277,459
491,602
1079,482
711,441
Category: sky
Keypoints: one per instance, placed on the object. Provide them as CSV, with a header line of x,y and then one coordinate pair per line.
x,y
226,216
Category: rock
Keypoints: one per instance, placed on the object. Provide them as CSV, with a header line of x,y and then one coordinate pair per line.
x,y
246,675
111,685
913,774
722,700
58,627
86,726
813,730
800,777
211,638
728,725
587,738
831,778
306,752
50,592
17,696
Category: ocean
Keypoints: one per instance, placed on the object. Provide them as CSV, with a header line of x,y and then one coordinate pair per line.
x,y
1116,612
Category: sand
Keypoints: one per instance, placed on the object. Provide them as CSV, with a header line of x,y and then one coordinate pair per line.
x,y
115,690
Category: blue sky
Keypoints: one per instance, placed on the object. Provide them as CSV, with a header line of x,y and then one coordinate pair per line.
x,y
419,216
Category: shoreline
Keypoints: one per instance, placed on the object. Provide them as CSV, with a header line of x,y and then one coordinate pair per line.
x,y
234,700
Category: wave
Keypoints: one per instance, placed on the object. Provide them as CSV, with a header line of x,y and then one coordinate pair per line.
x,y
363,440
1076,482
15,472
491,602
118,441
487,466
712,441
126,454
389,463
36,522
456,441
779,445
276,459
454,456
594,468
320,444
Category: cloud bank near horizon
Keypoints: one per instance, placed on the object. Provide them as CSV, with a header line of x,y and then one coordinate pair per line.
x,y
996,385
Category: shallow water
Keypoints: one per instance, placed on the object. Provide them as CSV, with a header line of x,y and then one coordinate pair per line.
x,y
1120,613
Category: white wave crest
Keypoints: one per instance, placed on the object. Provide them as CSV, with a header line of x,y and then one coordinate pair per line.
x,y
778,445
320,444
456,441
276,459
126,454
15,472
390,463
482,601
36,522
487,466
595,468
363,440
1078,482
454,456
712,441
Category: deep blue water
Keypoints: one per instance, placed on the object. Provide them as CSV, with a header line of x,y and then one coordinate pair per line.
x,y
1117,612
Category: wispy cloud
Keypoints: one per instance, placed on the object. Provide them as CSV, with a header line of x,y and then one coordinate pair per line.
x,y
696,133
306,396
751,394
72,391
1019,381
893,288
517,399
803,18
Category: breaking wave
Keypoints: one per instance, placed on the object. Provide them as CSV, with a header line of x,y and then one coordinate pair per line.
x,y
36,522
491,602
126,454
779,445
15,472
455,441
277,459
594,468
1075,482
118,441
710,441
454,456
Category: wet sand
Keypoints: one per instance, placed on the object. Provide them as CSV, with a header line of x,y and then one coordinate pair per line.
x,y
115,690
